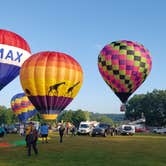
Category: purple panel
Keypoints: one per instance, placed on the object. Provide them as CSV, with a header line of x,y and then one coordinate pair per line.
x,y
50,104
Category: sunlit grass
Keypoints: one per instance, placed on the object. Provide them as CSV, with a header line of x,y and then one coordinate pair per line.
x,y
138,150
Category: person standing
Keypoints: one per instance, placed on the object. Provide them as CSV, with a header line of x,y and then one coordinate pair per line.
x,y
2,132
32,141
44,132
67,128
73,130
61,132
27,132
21,130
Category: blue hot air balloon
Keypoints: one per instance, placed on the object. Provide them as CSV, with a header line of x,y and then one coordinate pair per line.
x,y
22,107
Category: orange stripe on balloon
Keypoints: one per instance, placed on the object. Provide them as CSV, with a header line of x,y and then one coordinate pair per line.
x,y
58,65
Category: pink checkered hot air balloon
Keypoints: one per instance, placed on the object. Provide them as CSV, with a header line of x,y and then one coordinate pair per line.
x,y
124,66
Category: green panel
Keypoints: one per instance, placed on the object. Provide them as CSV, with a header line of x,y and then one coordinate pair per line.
x,y
146,66
137,53
104,68
122,72
115,67
110,72
108,62
136,63
116,47
130,48
117,77
122,51
143,59
127,77
122,82
103,58
141,69
130,57
123,44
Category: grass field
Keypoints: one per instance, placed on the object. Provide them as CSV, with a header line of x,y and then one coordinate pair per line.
x,y
138,150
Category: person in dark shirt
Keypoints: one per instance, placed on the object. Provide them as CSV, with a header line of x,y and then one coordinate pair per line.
x,y
32,141
73,130
61,133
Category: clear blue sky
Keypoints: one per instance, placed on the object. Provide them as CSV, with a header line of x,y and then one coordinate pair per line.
x,y
81,28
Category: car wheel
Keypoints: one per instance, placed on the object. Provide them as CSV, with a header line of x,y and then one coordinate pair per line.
x,y
93,135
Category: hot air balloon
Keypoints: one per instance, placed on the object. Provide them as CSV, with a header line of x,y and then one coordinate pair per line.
x,y
124,66
22,107
51,80
14,50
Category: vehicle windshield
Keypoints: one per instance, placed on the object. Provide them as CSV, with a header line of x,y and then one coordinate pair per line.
x,y
127,128
103,126
11,127
84,126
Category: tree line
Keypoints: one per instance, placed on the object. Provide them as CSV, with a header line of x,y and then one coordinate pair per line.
x,y
151,105
75,117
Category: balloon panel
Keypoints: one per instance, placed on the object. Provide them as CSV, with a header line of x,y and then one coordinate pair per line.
x,y
124,65
13,39
7,74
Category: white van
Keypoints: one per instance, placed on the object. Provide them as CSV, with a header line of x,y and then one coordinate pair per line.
x,y
127,130
86,127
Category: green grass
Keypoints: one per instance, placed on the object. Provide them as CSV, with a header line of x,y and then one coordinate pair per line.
x,y
138,150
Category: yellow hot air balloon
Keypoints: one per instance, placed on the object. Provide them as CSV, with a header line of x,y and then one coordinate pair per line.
x,y
51,80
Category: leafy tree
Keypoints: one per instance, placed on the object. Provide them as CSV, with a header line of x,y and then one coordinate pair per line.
x,y
152,105
134,107
7,116
74,117
37,117
65,116
105,119
79,116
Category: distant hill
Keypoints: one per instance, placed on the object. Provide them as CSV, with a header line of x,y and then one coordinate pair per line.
x,y
114,117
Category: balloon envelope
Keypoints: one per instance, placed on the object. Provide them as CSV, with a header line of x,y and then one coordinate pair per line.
x,y
22,107
124,66
51,80
14,50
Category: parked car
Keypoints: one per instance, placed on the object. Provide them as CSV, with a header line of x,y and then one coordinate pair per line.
x,y
139,130
11,129
102,129
159,130
127,130
85,128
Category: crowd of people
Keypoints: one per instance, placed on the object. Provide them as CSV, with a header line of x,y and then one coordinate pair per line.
x,y
32,133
